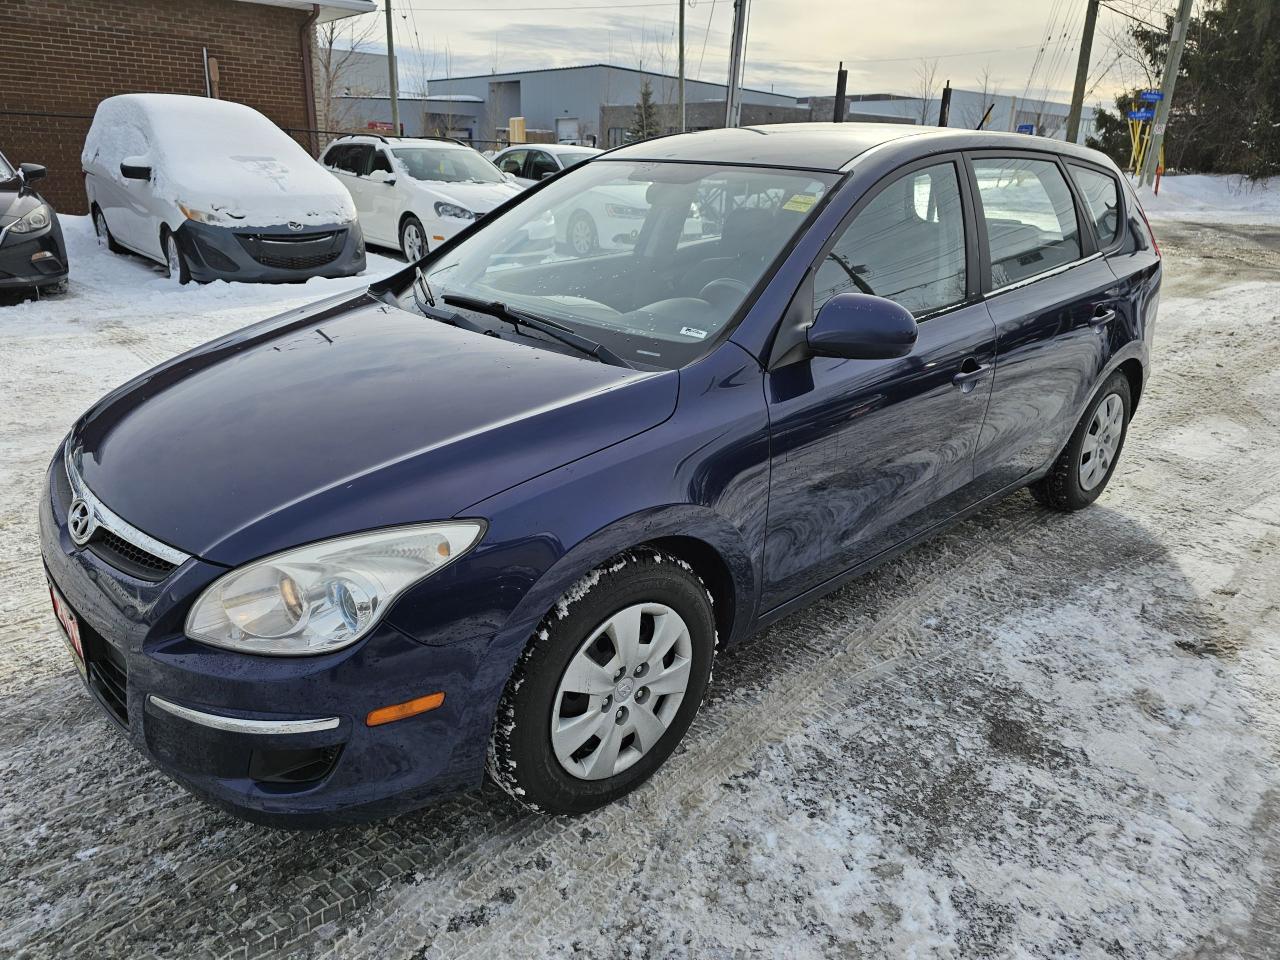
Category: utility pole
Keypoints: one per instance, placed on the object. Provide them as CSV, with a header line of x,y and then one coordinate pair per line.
x,y
842,82
944,110
394,85
1176,42
1082,72
733,104
682,123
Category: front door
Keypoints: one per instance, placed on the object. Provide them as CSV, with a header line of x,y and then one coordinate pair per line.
x,y
1052,297
866,454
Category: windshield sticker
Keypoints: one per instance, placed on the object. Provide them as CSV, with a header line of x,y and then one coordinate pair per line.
x,y
800,202
693,332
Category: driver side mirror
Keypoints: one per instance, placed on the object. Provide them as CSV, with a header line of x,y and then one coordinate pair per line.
x,y
381,176
548,173
135,168
858,326
32,171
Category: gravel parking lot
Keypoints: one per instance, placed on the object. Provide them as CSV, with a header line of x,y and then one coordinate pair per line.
x,y
1038,735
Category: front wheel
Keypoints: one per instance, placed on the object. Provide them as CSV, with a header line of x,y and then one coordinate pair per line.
x,y
582,235
607,687
413,239
103,232
1084,467
175,262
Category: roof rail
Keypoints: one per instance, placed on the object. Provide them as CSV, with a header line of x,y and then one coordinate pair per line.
x,y
378,135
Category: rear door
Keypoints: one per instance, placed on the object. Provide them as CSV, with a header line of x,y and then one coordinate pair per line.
x,y
868,453
1052,297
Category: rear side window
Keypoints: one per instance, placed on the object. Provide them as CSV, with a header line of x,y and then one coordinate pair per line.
x,y
1029,216
907,244
512,162
1102,196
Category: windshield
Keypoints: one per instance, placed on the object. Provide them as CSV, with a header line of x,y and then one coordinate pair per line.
x,y
6,171
650,259
449,165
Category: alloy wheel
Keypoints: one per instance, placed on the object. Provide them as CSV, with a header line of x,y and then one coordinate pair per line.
x,y
100,228
173,258
415,245
582,236
621,691
1098,451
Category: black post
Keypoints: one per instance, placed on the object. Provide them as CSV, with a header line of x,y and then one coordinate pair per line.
x,y
985,117
842,78
944,111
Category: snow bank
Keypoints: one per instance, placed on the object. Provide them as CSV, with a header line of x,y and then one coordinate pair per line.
x,y
1214,198
217,157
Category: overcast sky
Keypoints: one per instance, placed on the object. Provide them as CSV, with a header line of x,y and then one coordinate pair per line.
x,y
792,47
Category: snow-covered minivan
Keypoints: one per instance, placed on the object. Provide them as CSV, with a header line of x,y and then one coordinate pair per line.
x,y
415,193
213,190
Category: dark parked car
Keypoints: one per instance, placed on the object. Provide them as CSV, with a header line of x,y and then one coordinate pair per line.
x,y
495,514
32,252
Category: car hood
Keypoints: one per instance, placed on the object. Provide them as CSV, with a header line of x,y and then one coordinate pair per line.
x,y
248,190
344,417
480,197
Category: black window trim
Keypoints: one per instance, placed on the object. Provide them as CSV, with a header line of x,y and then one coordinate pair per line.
x,y
1088,245
968,209
1121,201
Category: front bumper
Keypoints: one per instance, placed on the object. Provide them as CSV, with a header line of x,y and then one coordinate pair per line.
x,y
271,254
281,741
33,260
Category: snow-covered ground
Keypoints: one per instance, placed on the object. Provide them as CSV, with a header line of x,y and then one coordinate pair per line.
x,y
1214,199
1035,736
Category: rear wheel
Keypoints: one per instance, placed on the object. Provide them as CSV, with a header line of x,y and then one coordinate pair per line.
x,y
103,231
413,239
1084,468
175,262
608,686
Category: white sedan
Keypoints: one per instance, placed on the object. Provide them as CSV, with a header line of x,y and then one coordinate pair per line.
x,y
414,194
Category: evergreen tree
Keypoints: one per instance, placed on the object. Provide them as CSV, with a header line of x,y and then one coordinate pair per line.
x,y
645,124
1225,115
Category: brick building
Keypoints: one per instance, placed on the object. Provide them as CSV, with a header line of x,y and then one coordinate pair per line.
x,y
59,58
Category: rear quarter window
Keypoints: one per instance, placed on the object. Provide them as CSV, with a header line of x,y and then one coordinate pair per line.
x,y
1101,196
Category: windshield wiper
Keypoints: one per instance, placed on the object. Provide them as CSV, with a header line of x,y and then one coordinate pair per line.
x,y
554,330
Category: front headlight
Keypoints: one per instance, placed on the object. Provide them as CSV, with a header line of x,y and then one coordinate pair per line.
x,y
36,219
453,210
325,596
623,212
200,216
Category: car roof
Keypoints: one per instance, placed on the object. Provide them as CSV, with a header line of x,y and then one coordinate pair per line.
x,y
374,138
551,147
830,146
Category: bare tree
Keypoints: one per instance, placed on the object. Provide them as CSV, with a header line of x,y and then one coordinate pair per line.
x,y
338,45
926,84
987,92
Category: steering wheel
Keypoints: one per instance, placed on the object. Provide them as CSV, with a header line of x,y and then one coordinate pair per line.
x,y
724,290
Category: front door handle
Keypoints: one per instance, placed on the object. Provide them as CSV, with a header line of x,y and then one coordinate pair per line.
x,y
970,373
1101,317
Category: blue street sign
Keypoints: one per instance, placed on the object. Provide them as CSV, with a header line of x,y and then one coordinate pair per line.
x,y
1145,114
1151,96
1026,128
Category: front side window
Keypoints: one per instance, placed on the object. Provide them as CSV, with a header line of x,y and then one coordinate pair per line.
x,y
1028,215
513,162
621,252
1102,197
906,245
446,165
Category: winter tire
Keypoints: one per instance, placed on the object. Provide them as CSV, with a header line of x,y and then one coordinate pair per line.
x,y
103,231
607,687
413,239
582,236
175,262
1084,468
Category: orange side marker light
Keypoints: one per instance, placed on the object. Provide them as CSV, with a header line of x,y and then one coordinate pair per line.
x,y
410,708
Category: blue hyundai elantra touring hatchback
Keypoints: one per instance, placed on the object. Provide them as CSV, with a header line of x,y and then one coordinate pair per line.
x,y
501,509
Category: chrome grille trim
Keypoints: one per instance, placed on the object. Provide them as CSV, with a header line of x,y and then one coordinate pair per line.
x,y
107,519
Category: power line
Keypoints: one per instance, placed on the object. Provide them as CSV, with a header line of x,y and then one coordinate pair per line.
x,y
918,56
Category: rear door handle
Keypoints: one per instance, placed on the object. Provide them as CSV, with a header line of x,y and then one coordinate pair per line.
x,y
1101,317
970,373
